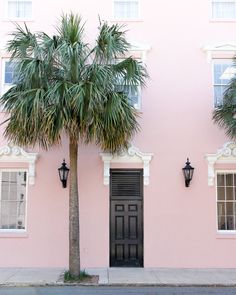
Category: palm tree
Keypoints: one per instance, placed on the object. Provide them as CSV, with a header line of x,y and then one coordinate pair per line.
x,y
65,86
225,114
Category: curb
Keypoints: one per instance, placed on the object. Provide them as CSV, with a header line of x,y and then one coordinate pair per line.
x,y
127,285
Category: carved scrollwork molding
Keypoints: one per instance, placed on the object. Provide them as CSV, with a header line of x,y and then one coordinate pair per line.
x,y
10,153
132,155
225,155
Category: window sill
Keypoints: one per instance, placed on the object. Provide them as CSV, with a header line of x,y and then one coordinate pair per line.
x,y
226,235
13,234
15,19
127,20
223,20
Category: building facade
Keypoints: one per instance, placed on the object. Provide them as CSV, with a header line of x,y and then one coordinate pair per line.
x,y
135,209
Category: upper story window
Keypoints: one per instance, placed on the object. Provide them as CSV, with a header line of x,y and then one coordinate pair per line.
x,y
226,201
8,72
12,200
134,95
8,69
19,9
224,71
126,9
223,9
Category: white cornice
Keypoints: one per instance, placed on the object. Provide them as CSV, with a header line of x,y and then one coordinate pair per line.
x,y
225,155
139,46
220,47
11,154
132,155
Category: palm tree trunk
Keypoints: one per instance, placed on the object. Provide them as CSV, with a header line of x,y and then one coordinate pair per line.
x,y
74,240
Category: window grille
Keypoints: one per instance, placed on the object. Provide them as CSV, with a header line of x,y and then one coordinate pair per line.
x,y
12,200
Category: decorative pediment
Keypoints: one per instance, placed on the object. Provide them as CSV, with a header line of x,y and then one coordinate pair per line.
x,y
9,153
223,47
225,155
139,50
132,155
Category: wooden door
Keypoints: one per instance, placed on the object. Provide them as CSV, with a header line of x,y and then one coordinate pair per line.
x,y
126,218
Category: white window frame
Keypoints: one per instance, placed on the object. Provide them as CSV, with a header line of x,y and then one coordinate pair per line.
x,y
138,18
218,61
224,232
26,200
223,19
7,17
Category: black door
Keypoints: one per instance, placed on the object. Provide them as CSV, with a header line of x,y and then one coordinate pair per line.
x,y
126,218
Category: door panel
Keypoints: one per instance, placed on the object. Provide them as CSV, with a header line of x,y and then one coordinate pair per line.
x,y
126,220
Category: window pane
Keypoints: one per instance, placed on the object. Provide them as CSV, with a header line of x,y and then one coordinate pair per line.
x,y
229,193
230,222
219,70
220,179
4,222
133,95
12,222
223,73
5,208
229,179
10,77
221,208
229,208
221,193
219,94
12,9
221,223
24,9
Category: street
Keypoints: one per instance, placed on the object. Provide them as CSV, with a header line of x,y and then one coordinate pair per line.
x,y
117,290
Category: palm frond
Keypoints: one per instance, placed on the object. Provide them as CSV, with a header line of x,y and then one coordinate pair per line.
x,y
111,42
64,86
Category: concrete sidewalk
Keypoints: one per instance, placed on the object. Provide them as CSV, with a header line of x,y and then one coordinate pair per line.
x,y
31,276
165,276
122,276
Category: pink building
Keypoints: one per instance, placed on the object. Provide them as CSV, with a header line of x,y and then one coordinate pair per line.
x,y
135,209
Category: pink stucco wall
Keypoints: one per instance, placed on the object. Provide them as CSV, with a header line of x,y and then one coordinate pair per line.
x,y
179,223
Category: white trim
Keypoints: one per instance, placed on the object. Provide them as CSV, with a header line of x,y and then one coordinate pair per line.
x,y
225,155
10,153
132,155
227,49
143,48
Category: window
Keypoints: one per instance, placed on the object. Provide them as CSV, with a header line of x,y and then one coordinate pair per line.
x,y
12,200
223,9
8,72
224,71
226,201
133,96
126,9
8,69
19,9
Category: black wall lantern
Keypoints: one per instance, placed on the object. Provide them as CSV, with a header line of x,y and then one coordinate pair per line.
x,y
63,173
188,173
